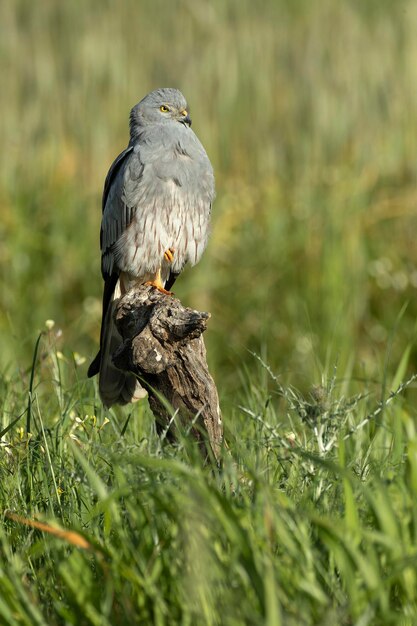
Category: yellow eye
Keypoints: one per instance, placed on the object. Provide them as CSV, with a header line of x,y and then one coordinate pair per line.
x,y
164,108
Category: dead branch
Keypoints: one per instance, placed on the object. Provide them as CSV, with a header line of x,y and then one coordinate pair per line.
x,y
164,347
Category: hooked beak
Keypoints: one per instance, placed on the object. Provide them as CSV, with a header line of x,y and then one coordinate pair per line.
x,y
185,118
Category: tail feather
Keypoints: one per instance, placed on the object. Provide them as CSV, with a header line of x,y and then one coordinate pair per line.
x,y
115,386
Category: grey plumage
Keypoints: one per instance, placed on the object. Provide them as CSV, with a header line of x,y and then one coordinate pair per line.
x,y
157,197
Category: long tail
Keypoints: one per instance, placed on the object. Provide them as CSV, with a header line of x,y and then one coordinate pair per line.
x,y
115,386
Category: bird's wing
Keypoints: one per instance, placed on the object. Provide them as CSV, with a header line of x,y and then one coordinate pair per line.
x,y
115,220
116,214
114,168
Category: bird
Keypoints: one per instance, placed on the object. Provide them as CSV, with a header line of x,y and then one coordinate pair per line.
x,y
156,209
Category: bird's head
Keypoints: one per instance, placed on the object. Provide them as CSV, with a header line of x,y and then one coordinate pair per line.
x,y
160,107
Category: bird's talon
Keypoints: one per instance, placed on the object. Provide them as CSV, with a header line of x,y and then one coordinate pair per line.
x,y
169,255
158,285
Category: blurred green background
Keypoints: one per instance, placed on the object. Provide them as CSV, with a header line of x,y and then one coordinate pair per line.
x,y
308,111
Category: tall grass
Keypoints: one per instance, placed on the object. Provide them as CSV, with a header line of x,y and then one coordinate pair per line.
x,y
310,521
308,111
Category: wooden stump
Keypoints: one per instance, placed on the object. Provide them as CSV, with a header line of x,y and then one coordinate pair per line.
x,y
164,347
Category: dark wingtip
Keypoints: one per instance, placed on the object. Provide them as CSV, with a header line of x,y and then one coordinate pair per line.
x,y
94,366
171,280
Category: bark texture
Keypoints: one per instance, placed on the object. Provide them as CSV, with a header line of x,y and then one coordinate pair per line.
x,y
164,347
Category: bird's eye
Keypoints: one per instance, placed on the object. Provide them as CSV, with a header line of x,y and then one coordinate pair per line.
x,y
164,108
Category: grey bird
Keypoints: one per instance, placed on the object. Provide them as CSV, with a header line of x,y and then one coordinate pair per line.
x,y
156,205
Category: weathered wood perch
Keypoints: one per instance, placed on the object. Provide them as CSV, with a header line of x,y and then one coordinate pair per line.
x,y
164,347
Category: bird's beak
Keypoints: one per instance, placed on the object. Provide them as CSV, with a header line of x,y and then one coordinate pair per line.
x,y
185,118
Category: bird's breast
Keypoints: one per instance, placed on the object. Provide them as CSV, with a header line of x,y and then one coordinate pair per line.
x,y
172,203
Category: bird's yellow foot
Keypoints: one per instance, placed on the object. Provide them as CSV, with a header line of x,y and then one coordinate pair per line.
x,y
157,283
169,255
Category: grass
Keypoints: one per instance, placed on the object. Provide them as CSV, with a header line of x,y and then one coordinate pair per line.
x,y
310,521
308,111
